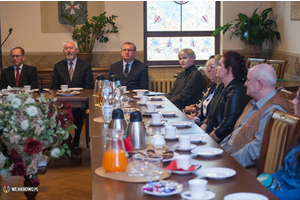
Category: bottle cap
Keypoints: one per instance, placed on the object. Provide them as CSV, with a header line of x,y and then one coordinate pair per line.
x,y
106,81
100,77
118,82
113,78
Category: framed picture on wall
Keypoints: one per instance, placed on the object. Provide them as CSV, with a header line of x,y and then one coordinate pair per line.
x,y
295,10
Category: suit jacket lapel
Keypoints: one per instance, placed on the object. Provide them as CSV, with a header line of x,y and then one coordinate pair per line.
x,y
12,76
23,75
121,74
66,69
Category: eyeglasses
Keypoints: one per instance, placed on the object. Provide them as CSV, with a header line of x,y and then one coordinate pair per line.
x,y
17,56
129,50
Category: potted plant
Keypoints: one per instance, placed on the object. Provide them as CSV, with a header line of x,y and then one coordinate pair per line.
x,y
252,30
95,29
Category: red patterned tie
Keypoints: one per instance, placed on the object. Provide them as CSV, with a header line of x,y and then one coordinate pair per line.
x,y
17,76
71,71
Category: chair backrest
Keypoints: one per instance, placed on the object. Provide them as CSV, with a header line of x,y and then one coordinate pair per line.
x,y
288,96
280,130
254,61
279,66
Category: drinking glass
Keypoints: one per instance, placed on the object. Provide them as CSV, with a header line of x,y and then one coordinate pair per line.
x,y
126,101
152,167
138,164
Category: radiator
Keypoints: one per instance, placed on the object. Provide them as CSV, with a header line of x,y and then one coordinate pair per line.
x,y
161,84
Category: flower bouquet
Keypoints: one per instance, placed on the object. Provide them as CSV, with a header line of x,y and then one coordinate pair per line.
x,y
27,126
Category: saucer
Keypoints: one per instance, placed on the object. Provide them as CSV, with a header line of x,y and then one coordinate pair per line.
x,y
172,138
158,105
140,90
181,124
127,92
156,98
217,172
208,195
141,104
149,113
207,152
192,146
168,113
245,195
162,122
136,97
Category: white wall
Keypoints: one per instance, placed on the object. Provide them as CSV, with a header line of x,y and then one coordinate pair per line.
x,y
25,19
289,30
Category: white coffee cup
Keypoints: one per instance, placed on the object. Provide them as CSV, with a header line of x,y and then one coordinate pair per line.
x,y
27,88
184,141
124,89
140,93
170,131
64,87
144,99
151,107
4,91
198,188
183,162
156,118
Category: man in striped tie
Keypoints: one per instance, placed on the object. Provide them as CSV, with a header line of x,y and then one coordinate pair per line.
x,y
73,72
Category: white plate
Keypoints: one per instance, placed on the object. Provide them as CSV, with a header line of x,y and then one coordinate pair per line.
x,y
174,156
158,105
67,95
136,97
141,104
208,195
38,89
162,122
181,172
75,89
148,112
207,152
127,92
217,172
181,124
168,113
197,138
140,90
156,98
176,146
174,138
178,190
245,196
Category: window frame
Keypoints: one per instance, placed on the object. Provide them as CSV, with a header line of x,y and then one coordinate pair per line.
x,y
179,34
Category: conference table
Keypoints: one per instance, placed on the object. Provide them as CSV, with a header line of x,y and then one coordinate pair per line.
x,y
104,188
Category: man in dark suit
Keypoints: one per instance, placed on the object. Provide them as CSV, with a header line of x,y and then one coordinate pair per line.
x,y
131,72
73,72
18,74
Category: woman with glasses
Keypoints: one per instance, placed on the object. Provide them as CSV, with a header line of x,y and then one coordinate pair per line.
x,y
199,112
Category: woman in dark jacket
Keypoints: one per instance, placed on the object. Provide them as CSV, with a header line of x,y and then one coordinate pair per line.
x,y
229,103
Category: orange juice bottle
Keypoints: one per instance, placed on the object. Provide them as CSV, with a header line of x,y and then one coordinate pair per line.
x,y
114,159
100,97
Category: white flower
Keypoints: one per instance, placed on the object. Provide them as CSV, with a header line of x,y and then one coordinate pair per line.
x,y
31,111
2,160
55,153
16,102
29,101
66,136
10,97
5,173
25,124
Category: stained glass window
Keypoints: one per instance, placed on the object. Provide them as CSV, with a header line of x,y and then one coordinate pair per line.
x,y
173,25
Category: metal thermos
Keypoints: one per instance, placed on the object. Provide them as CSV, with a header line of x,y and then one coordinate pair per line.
x,y
136,130
98,82
117,121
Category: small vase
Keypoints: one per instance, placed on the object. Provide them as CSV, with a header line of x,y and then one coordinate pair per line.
x,y
85,56
254,51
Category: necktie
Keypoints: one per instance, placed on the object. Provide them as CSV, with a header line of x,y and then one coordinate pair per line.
x,y
126,71
17,76
71,71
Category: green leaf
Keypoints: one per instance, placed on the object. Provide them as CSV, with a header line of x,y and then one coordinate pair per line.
x,y
69,153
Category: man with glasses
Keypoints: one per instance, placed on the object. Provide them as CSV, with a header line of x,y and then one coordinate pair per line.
x,y
18,74
131,72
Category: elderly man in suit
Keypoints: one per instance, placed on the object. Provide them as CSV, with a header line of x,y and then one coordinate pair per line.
x,y
131,72
18,74
73,72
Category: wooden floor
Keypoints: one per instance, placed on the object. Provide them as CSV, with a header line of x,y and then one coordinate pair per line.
x,y
63,179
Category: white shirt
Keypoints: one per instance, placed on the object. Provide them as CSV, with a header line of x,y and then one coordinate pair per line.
x,y
74,64
129,67
20,69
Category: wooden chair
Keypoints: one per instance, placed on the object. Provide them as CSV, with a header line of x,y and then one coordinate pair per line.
x,y
288,96
254,61
281,129
279,66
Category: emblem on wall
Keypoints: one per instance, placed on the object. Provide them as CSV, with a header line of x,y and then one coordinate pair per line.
x,y
297,66
74,8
